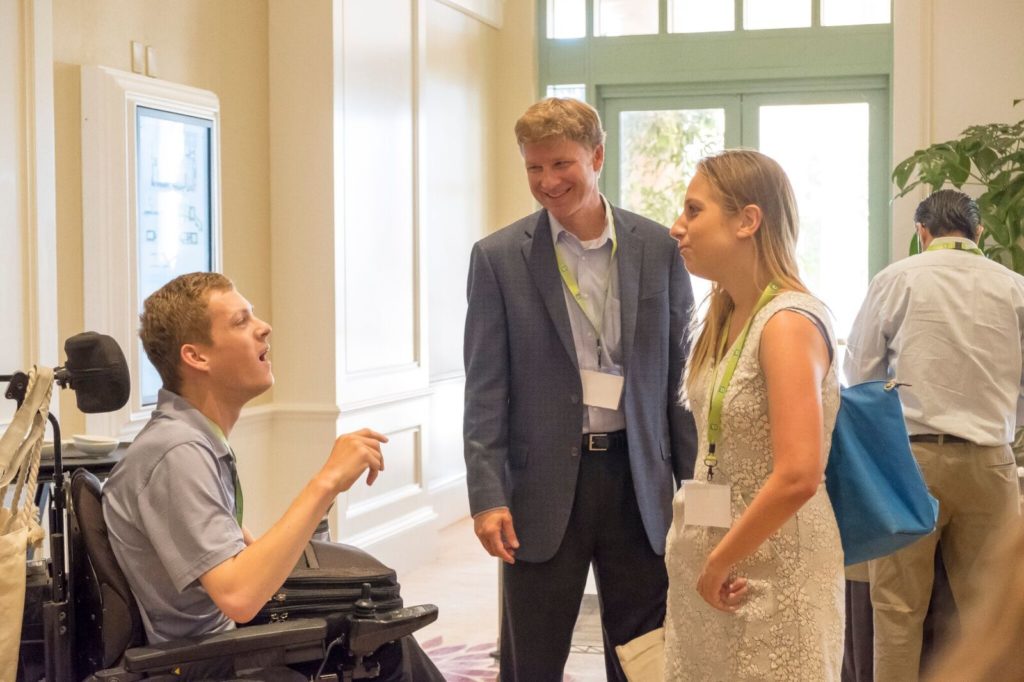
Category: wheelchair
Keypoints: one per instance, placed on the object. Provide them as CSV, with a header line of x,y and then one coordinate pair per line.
x,y
92,629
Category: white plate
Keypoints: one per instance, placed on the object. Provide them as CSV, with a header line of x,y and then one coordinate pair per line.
x,y
94,445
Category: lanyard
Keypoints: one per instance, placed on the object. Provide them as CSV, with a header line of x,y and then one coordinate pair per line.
x,y
718,396
574,287
958,246
233,466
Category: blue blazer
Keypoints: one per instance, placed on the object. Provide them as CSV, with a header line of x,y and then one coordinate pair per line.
x,y
523,414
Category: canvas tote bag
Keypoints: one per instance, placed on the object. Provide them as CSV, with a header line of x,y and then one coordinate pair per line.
x,y
20,448
643,658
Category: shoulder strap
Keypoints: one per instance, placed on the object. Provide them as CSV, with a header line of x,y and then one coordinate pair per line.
x,y
819,324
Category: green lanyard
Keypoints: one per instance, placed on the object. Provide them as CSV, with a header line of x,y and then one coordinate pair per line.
x,y
239,500
958,246
233,466
718,397
574,288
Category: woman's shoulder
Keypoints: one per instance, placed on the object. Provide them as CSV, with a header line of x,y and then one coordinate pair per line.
x,y
800,301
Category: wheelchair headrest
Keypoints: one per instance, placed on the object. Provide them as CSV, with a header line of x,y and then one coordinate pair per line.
x,y
116,615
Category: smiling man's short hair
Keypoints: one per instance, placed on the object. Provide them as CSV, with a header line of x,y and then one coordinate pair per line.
x,y
556,118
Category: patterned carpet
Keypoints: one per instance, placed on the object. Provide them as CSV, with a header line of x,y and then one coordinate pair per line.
x,y
476,662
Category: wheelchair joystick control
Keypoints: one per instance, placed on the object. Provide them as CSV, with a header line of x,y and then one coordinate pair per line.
x,y
364,606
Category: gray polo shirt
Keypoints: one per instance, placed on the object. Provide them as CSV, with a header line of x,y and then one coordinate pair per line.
x,y
169,508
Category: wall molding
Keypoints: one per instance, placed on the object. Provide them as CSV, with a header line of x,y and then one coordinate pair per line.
x,y
402,524
490,12
314,411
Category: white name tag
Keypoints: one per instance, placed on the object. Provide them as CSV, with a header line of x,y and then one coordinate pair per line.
x,y
707,504
601,390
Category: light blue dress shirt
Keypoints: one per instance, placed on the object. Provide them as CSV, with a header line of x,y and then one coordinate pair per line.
x,y
593,266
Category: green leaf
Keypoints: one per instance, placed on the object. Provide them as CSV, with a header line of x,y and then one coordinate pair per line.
x,y
999,231
901,175
1017,258
961,171
915,245
985,159
995,252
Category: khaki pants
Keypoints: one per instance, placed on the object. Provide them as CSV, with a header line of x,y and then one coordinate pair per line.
x,y
978,493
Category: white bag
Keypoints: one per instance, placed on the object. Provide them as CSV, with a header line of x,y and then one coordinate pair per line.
x,y
20,448
643,658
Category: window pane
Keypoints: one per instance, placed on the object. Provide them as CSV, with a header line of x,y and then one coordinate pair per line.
x,y
573,91
846,13
567,18
776,13
625,17
824,150
699,16
659,151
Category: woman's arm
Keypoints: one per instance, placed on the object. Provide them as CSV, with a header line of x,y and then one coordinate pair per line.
x,y
794,359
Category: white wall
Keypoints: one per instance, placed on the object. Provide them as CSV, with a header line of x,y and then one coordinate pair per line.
x,y
28,287
955,64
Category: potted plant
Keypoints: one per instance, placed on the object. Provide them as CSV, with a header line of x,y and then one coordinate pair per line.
x,y
991,158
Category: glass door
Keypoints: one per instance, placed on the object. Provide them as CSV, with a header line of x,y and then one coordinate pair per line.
x,y
653,147
833,146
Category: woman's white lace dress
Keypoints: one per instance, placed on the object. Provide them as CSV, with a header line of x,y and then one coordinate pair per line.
x,y
791,625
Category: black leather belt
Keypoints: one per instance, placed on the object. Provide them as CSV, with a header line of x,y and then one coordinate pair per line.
x,y
604,442
939,438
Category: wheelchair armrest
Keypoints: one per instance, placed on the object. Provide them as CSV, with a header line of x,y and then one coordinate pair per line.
x,y
301,633
367,634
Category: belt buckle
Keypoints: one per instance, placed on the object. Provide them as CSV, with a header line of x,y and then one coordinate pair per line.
x,y
597,442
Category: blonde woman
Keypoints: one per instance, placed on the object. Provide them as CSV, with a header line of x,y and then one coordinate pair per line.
x,y
754,559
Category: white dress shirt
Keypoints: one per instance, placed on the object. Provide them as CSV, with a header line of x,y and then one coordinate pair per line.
x,y
591,263
950,324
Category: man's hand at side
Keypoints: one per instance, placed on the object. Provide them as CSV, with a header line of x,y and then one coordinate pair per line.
x,y
494,529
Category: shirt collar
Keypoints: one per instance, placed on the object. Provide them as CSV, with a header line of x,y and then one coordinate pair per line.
x,y
948,239
172,405
557,229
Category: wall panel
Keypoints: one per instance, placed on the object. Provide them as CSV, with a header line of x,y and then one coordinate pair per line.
x,y
380,223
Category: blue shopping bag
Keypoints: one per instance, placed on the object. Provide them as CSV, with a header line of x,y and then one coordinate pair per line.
x,y
878,495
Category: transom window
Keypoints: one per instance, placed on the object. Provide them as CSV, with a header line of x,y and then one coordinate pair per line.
x,y
568,18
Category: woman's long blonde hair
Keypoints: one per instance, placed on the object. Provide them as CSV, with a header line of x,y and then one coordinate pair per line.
x,y
739,178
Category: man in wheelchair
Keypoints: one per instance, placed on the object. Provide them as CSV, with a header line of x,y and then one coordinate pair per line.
x,y
173,507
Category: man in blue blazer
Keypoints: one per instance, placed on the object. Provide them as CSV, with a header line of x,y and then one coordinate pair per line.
x,y
576,337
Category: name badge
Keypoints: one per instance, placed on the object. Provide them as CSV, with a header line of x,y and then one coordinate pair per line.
x,y
601,389
707,504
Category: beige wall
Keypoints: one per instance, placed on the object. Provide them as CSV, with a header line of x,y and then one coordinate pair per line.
x,y
514,85
27,222
478,81
955,64
218,46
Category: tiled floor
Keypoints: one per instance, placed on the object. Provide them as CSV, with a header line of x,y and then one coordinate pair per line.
x,y
463,582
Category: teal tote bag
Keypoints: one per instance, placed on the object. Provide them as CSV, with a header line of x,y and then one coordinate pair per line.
x,y
877,492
